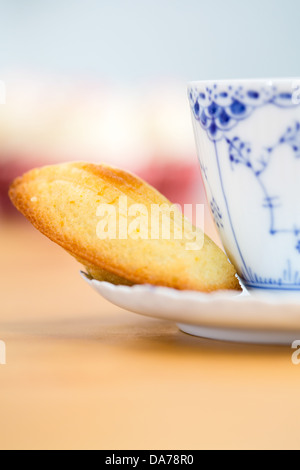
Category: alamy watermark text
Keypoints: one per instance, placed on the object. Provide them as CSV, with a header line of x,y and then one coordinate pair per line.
x,y
125,220
2,353
296,354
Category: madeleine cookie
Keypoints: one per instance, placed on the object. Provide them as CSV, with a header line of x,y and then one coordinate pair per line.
x,y
120,228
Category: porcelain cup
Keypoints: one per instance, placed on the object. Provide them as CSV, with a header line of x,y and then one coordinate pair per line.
x,y
248,143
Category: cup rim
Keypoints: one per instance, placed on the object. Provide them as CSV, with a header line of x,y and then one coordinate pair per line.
x,y
251,81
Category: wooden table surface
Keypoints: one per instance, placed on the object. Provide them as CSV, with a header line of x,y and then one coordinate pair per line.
x,y
84,374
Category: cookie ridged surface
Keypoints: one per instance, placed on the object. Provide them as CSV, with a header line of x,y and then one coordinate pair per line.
x,y
62,202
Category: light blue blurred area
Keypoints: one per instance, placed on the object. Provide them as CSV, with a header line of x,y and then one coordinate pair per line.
x,y
137,40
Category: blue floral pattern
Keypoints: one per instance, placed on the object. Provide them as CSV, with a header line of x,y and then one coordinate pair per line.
x,y
240,153
218,111
216,212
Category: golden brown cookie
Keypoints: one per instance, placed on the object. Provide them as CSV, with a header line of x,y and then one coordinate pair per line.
x,y
76,204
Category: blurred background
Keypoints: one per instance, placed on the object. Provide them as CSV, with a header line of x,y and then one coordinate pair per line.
x,y
105,81
102,80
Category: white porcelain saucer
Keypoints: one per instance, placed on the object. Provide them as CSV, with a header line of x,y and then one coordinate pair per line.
x,y
263,318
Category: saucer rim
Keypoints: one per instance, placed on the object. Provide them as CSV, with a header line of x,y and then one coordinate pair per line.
x,y
217,310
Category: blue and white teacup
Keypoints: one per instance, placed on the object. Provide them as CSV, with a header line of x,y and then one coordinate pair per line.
x,y
248,141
